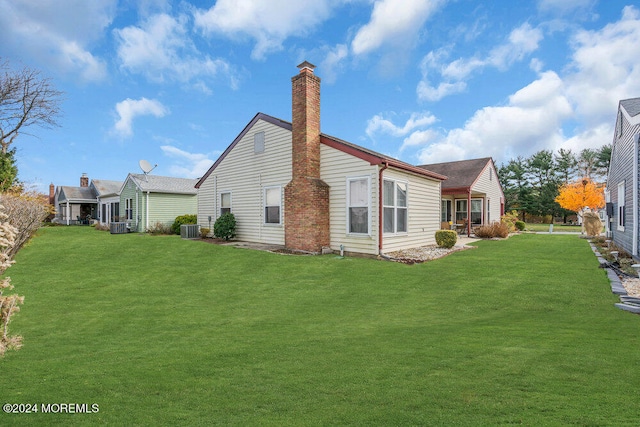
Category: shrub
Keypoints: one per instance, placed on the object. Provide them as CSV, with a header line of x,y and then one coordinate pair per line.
x,y
183,219
160,228
510,219
9,304
225,227
26,212
446,238
520,225
204,232
496,229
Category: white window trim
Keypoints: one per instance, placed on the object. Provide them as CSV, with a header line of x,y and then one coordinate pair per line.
x,y
482,208
219,213
621,204
264,206
357,178
395,231
128,208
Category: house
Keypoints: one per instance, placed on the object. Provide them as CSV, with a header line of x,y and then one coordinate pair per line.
x,y
146,200
289,184
108,199
75,205
472,194
621,193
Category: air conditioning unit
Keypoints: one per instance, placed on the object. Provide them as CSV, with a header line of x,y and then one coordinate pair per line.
x,y
189,231
118,227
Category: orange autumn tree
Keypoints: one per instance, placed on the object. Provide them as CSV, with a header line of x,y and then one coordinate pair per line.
x,y
578,196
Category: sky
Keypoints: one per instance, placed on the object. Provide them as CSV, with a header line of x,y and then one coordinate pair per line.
x,y
424,81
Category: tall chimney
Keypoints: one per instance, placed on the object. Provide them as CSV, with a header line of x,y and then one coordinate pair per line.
x,y
306,196
84,180
52,194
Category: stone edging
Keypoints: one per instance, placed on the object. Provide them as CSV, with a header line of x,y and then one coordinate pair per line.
x,y
627,303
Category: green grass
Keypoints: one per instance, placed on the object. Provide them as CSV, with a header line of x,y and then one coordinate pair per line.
x,y
556,227
163,331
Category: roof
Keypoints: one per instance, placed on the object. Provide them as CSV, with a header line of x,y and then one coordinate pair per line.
x,y
163,184
632,106
104,186
77,194
371,156
461,174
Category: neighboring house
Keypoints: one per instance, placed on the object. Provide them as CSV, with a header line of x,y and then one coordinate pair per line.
x,y
289,184
146,200
622,181
472,194
108,199
75,205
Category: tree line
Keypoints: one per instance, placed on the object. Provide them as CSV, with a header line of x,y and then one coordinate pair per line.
x,y
531,185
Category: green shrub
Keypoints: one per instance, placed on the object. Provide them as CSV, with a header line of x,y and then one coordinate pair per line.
x,y
520,225
446,238
225,227
496,229
183,219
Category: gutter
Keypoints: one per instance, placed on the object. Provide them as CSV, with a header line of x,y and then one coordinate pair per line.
x,y
385,165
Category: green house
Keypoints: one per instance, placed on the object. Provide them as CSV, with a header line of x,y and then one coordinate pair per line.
x,y
146,200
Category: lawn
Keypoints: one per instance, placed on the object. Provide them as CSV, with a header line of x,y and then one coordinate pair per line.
x,y
164,331
556,227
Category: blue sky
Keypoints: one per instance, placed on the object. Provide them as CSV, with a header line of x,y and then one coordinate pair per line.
x,y
421,80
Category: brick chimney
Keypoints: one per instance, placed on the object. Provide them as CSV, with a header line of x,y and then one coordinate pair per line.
x,y
306,197
84,180
52,194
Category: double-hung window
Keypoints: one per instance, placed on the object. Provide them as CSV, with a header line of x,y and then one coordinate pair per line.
x,y
225,203
461,210
621,206
476,211
128,205
272,205
358,205
394,196
445,212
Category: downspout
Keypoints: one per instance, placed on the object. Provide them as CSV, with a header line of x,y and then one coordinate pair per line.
x,y
634,204
385,165
68,212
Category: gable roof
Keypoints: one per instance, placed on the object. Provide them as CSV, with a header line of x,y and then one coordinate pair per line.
x,y
632,106
104,187
371,156
162,184
461,174
76,194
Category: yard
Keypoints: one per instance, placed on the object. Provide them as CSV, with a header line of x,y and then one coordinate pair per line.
x,y
157,330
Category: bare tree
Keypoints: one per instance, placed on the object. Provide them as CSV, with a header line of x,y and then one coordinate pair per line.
x,y
26,99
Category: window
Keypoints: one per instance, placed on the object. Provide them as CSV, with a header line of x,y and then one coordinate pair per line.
x,y
128,207
258,142
358,205
461,210
225,203
394,196
115,212
621,197
103,214
476,211
445,213
272,199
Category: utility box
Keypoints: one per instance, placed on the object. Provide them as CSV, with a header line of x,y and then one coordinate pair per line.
x,y
189,231
118,227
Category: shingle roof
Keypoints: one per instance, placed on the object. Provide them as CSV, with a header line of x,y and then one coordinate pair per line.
x,y
76,193
164,184
104,186
461,174
632,106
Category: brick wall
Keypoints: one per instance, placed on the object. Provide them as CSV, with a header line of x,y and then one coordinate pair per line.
x,y
306,197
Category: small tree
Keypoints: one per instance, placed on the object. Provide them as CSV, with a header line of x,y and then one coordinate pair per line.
x,y
225,227
579,196
9,304
26,211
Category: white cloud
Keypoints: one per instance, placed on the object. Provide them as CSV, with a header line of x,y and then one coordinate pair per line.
x,y
333,62
190,165
522,41
129,109
267,23
379,125
393,24
161,50
58,32
564,7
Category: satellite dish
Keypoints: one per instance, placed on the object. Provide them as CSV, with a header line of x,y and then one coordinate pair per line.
x,y
146,166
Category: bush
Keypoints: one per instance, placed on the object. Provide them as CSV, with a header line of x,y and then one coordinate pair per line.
x,y
510,219
160,228
26,212
204,232
446,238
183,219
520,225
225,227
496,229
